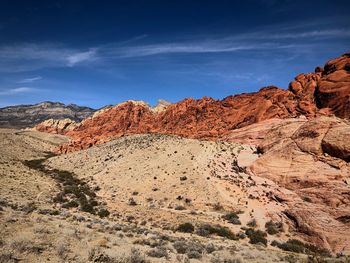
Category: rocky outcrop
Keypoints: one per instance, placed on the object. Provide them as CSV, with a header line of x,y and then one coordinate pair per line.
x,y
203,119
24,116
56,126
309,158
325,92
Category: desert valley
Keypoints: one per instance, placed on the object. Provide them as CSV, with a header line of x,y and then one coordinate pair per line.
x,y
254,177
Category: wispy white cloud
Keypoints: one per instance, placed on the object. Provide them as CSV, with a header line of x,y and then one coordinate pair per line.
x,y
80,57
283,35
30,57
30,80
15,91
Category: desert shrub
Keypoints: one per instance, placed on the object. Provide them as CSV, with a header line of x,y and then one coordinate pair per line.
x,y
59,198
180,207
159,252
103,213
210,248
86,207
192,249
232,218
73,190
207,229
21,245
29,207
298,246
132,202
63,251
194,254
252,223
256,236
185,228
221,259
218,207
273,228
8,257
180,246
70,204
136,257
236,168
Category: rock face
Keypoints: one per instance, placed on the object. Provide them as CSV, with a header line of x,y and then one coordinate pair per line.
x,y
325,92
333,89
24,116
309,158
56,126
205,118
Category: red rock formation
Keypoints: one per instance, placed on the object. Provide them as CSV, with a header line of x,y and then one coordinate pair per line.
x,y
204,119
309,158
333,89
323,92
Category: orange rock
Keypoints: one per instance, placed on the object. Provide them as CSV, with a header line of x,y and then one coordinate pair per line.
x,y
309,159
325,92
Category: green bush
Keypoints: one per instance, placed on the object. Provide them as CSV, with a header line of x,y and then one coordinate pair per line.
x,y
273,228
232,218
256,236
103,213
207,230
186,228
298,246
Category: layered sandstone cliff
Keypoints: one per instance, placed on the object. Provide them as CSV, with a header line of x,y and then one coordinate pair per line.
x,y
311,160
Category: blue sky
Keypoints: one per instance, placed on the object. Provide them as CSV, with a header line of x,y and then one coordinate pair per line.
x,y
96,53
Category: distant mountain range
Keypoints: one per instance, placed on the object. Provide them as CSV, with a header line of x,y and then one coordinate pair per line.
x,y
23,116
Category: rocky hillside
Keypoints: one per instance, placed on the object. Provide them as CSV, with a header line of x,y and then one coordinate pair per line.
x,y
23,116
324,92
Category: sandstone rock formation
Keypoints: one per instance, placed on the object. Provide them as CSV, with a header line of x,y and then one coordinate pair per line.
x,y
205,118
56,126
325,92
310,159
24,116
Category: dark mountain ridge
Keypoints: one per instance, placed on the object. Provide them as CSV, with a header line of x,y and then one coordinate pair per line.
x,y
22,116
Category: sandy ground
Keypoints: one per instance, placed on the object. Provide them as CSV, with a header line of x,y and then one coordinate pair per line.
x,y
171,180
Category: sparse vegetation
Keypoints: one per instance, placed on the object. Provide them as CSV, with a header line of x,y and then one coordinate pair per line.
x,y
252,223
132,202
298,246
135,256
180,207
236,168
186,228
218,207
232,217
74,191
103,213
273,228
159,252
207,230
232,259
256,236
192,249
